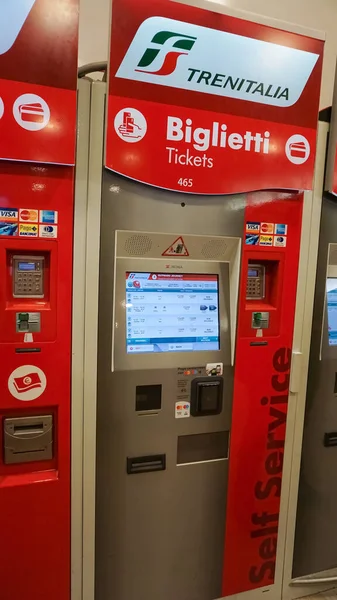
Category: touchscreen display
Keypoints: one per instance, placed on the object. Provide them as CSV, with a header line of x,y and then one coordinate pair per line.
x,y
169,312
331,288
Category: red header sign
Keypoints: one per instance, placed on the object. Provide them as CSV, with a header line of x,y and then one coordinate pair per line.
x,y
184,118
331,163
38,66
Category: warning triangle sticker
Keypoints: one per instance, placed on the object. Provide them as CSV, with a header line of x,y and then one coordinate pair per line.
x,y
177,248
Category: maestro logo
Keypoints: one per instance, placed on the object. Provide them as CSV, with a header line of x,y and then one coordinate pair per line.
x,y
168,47
190,57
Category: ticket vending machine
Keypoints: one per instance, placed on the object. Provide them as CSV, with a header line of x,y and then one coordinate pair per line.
x,y
316,525
165,392
198,278
186,307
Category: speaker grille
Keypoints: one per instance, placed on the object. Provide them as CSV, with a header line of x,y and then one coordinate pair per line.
x,y
333,254
138,245
214,249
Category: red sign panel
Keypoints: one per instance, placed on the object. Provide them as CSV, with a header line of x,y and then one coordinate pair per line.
x,y
38,66
182,118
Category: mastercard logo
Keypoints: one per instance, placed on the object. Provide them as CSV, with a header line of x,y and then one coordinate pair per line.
x,y
267,228
29,215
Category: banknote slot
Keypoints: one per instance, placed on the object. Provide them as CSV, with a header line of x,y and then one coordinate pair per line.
x,y
28,439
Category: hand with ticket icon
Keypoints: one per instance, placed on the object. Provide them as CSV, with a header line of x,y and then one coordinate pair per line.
x,y
129,128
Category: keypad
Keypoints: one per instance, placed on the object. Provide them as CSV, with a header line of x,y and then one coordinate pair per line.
x,y
255,282
254,287
28,283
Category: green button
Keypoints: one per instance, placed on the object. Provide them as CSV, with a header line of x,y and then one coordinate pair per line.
x,y
23,317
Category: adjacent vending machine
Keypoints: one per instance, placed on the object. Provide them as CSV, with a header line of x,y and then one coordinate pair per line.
x,y
201,179
316,526
37,176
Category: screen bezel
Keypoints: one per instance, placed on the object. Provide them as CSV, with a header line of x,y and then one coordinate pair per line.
x,y
121,360
329,278
174,274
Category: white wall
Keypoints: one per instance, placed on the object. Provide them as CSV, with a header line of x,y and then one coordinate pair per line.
x,y
315,14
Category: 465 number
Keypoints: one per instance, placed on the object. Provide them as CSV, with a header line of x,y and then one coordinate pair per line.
x,y
185,182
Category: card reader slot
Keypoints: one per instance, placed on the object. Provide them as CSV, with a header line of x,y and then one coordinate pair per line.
x,y
17,452
330,439
146,464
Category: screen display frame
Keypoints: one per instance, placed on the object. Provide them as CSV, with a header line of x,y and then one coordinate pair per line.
x,y
331,336
121,360
171,343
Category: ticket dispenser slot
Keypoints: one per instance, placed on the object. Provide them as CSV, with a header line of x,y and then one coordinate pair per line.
x,y
28,439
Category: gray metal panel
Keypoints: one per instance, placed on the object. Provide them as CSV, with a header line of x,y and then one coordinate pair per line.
x,y
79,468
316,529
161,534
158,534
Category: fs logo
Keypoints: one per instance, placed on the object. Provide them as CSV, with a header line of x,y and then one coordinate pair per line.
x,y
171,46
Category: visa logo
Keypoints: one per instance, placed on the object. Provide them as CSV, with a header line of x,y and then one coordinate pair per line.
x,y
8,213
9,216
253,227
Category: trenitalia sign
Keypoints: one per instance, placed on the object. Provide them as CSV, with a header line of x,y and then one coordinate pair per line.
x,y
204,103
186,56
11,23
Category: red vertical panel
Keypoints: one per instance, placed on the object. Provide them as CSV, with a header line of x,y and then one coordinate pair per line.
x,y
261,387
38,66
35,497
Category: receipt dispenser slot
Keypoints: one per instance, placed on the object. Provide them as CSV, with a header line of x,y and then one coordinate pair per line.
x,y
28,439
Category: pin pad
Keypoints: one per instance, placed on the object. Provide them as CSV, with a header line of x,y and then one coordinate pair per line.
x,y
28,276
256,282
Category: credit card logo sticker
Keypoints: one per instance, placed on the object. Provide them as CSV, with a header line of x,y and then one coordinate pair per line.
x,y
29,215
252,227
31,112
281,229
267,228
48,216
9,215
297,149
280,241
252,239
130,125
9,222
182,410
266,240
10,229
27,383
48,231
28,230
